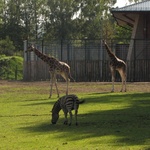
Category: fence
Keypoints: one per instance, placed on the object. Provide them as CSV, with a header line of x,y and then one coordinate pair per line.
x,y
88,60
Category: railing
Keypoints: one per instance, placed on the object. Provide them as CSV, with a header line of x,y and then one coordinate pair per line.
x,y
88,71
89,60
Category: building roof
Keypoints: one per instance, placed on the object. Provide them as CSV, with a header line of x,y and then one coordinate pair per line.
x,y
141,6
125,16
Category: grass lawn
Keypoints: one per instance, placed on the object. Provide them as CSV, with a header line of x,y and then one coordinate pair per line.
x,y
107,121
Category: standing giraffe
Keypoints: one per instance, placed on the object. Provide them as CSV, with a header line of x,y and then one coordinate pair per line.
x,y
55,67
116,64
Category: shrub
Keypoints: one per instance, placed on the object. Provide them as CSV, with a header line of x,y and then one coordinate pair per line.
x,y
7,47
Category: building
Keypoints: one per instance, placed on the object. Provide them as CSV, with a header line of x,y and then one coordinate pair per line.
x,y
136,16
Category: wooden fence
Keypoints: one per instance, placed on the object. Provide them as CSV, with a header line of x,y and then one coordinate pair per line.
x,y
88,71
88,68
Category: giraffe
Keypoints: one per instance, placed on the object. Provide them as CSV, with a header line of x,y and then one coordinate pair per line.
x,y
55,67
116,64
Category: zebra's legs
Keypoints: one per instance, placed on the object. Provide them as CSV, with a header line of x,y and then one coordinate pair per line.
x,y
66,119
70,113
76,112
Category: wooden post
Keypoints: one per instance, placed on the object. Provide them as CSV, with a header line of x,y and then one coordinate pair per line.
x,y
16,72
133,37
131,46
25,61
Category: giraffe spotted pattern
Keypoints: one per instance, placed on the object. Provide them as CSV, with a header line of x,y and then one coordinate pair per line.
x,y
55,67
116,64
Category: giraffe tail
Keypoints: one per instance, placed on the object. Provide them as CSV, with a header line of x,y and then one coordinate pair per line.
x,y
71,77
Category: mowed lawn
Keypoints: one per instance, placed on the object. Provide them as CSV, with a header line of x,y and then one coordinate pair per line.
x,y
107,121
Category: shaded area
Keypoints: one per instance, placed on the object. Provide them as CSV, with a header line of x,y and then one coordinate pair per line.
x,y
130,124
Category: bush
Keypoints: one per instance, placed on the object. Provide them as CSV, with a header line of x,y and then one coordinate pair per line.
x,y
7,47
11,67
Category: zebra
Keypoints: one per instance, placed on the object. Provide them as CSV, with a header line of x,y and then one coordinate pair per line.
x,y
67,104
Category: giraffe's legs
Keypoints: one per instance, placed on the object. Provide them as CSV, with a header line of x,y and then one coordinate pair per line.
x,y
53,79
51,84
65,76
125,85
67,87
56,86
112,77
123,78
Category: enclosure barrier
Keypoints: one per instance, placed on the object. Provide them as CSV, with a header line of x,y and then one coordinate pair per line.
x,y
88,60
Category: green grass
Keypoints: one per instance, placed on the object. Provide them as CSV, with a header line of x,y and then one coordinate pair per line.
x,y
107,121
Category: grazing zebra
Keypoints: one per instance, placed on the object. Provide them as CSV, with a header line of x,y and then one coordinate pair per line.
x,y
67,104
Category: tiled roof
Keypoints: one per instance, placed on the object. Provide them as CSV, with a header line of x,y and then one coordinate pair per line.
x,y
141,6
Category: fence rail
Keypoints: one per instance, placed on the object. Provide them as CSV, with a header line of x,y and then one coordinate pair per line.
x,y
88,71
89,60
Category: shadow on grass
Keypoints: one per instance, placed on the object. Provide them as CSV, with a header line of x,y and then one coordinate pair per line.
x,y
97,98
36,99
130,125
39,101
119,97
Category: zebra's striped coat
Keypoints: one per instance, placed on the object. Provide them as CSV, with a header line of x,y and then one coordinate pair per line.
x,y
67,104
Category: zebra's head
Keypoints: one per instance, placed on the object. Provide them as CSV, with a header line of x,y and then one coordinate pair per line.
x,y
55,112
55,118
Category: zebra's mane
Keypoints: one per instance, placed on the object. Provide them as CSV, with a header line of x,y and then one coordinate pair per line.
x,y
56,108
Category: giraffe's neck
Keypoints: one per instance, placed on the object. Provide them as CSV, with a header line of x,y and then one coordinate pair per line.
x,y
44,57
110,53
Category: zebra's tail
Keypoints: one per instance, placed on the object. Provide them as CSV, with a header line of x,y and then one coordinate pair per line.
x,y
81,102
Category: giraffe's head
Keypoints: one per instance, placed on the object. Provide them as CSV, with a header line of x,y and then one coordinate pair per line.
x,y
104,41
30,48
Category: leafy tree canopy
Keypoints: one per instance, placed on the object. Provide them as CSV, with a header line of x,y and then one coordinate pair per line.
x,y
56,19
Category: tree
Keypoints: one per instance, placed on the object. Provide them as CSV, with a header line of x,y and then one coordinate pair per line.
x,y
65,19
55,19
11,23
59,23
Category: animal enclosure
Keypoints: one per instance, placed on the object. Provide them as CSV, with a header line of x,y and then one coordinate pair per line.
x,y
87,59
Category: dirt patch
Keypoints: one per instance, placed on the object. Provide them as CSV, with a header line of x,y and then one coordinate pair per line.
x,y
74,87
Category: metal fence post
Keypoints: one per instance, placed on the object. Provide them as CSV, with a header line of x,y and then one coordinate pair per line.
x,y
16,72
25,67
61,50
